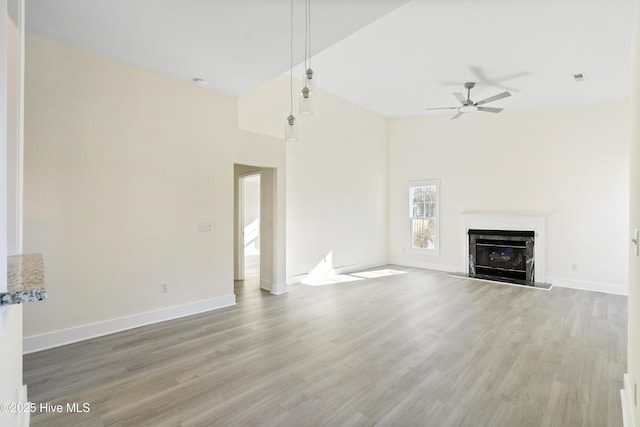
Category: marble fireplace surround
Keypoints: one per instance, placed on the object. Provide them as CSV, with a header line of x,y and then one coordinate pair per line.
x,y
535,222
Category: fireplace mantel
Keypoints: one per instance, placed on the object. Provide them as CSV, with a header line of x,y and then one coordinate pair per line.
x,y
530,221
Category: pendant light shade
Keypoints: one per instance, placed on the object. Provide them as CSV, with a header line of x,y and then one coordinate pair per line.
x,y
306,102
290,129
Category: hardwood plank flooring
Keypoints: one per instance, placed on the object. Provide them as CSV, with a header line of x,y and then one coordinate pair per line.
x,y
417,349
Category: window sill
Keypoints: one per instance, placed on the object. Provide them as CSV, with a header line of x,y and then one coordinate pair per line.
x,y
416,251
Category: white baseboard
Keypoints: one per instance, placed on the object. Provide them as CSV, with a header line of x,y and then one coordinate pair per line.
x,y
295,280
347,269
80,333
626,397
585,285
426,265
265,285
279,289
609,288
274,288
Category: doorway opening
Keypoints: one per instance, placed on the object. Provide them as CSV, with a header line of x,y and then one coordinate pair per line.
x,y
256,210
250,223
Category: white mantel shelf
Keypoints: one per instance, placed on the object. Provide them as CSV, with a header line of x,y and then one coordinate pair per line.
x,y
25,280
505,213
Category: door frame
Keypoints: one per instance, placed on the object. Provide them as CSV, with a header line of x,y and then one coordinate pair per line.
x,y
272,231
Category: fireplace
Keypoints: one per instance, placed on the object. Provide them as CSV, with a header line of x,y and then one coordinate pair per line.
x,y
506,255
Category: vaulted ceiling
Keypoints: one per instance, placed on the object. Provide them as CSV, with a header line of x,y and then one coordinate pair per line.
x,y
393,57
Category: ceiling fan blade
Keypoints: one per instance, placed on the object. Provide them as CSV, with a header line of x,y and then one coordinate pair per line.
x,y
460,97
489,109
442,108
458,114
493,98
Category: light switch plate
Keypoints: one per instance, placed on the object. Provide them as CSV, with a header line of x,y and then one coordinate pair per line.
x,y
205,227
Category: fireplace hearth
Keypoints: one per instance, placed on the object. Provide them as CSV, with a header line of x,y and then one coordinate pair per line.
x,y
505,255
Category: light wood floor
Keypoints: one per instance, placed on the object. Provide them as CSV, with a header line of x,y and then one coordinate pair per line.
x,y
419,349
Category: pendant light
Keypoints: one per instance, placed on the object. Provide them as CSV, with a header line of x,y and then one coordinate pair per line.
x,y
308,91
309,80
290,128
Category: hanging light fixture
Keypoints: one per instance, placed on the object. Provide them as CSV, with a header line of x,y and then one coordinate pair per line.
x,y
290,128
309,80
308,91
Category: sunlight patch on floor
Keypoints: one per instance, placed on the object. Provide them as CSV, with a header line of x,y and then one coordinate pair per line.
x,y
332,279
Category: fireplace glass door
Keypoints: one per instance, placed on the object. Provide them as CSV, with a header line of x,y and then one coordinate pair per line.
x,y
501,258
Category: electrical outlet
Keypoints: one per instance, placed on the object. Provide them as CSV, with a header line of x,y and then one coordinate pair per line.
x,y
164,288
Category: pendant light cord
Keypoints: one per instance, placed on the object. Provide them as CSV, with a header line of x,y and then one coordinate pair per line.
x,y
308,8
291,66
306,37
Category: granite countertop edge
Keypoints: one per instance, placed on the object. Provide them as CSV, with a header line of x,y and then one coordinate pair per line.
x,y
25,280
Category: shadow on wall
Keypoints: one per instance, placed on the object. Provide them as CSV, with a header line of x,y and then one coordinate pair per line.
x,y
252,238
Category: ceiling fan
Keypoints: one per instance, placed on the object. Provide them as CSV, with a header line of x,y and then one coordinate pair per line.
x,y
468,105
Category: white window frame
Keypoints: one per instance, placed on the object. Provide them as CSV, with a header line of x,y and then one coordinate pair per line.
x,y
436,217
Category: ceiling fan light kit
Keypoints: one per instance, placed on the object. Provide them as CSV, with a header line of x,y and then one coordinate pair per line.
x,y
468,106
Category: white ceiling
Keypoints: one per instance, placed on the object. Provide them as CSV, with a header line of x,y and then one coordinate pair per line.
x,y
393,57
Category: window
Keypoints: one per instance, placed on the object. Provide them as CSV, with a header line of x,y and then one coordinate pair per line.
x,y
424,215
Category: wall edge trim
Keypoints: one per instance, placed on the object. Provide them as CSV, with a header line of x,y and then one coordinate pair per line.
x,y
627,403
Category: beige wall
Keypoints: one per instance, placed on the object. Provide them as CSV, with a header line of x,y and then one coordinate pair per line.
x,y
569,163
121,167
336,177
